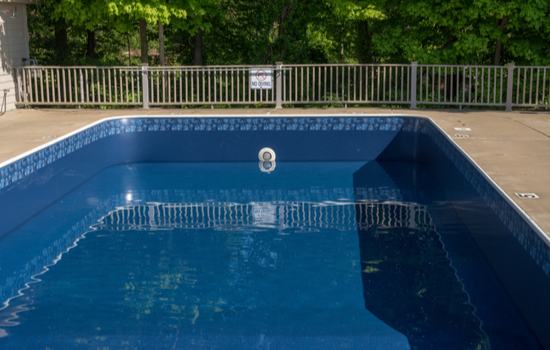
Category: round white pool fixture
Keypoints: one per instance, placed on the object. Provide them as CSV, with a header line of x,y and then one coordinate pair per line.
x,y
266,155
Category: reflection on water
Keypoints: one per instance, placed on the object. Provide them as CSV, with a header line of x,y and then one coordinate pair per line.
x,y
281,215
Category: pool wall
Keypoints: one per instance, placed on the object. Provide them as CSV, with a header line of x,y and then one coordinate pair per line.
x,y
38,178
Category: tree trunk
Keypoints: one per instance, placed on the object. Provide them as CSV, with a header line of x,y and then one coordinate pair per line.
x,y
143,37
498,48
161,44
61,44
364,42
284,14
197,60
90,47
129,50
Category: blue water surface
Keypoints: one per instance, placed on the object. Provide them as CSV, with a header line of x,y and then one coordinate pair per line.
x,y
223,255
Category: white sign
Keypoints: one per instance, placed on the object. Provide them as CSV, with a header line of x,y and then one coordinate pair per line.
x,y
260,78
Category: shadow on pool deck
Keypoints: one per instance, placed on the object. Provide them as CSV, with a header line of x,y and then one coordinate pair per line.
x,y
512,147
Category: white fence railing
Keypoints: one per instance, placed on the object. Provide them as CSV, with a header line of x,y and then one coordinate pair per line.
x,y
409,84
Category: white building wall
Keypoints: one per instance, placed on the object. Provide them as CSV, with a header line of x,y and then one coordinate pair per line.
x,y
14,46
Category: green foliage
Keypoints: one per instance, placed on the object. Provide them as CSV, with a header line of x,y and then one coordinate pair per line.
x,y
297,31
451,31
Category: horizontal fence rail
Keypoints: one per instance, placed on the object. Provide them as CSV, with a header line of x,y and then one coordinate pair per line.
x,y
407,84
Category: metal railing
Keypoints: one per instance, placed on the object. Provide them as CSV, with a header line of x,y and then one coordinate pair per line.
x,y
407,84
336,83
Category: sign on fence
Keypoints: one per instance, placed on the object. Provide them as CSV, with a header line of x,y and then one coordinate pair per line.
x,y
260,78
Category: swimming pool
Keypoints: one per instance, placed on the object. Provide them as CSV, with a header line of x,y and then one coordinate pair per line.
x,y
347,172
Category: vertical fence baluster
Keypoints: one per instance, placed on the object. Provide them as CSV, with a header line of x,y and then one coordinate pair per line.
x,y
457,83
336,83
151,87
463,85
433,83
328,83
174,86
362,83
537,88
65,86
439,84
139,83
48,77
402,76
396,93
530,86
114,84
126,86
232,86
518,79
482,84
470,86
53,79
109,80
69,86
307,85
249,90
185,78
104,86
378,84
452,78
319,84
91,85
120,85
302,84
409,84
544,86
211,76
87,85
295,69
477,84
495,85
42,71
133,87
501,82
372,83
420,87
382,78
178,75
157,85
226,86
524,84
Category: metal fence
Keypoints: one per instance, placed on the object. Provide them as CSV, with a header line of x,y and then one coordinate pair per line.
x,y
390,84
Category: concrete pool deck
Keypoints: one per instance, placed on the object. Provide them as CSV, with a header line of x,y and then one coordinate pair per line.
x,y
512,147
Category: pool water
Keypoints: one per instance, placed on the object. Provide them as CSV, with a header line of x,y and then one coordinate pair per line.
x,y
222,255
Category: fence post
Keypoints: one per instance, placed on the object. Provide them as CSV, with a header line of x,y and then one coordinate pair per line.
x,y
279,87
510,87
145,85
414,67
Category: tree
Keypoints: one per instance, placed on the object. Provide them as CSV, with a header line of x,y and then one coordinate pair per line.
x,y
122,14
451,31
